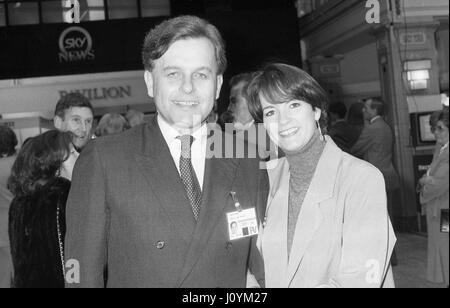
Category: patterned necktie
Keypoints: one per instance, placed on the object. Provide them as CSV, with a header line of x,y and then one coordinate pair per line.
x,y
188,175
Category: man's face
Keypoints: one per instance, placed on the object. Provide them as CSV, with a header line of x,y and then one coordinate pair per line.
x,y
239,104
369,113
185,84
77,120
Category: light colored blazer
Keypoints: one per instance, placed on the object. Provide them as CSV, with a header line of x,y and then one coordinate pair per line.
x,y
344,237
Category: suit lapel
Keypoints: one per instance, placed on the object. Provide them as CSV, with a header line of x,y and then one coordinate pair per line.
x,y
219,178
311,215
157,166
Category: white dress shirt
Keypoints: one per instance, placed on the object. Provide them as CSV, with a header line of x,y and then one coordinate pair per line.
x,y
198,150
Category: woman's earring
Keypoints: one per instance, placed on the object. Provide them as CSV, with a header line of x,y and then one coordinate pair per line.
x,y
322,138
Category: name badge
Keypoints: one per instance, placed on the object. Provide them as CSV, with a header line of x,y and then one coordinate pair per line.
x,y
242,223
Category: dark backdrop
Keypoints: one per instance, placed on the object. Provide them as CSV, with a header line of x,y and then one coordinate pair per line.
x,y
252,37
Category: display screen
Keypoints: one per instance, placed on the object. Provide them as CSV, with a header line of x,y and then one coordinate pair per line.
x,y
425,129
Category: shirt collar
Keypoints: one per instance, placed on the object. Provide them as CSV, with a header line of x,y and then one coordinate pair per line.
x,y
374,119
170,134
246,126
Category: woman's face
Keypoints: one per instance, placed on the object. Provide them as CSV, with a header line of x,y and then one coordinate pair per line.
x,y
69,164
290,125
441,133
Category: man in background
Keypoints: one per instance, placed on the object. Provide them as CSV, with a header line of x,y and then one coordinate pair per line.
x,y
135,117
342,133
242,119
376,146
75,113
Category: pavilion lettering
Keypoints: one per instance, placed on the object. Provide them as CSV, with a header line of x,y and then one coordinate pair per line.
x,y
102,93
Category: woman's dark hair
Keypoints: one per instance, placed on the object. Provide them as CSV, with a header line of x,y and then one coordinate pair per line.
x,y
281,83
39,161
8,141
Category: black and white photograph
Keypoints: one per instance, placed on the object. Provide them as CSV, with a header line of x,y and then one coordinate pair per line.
x,y
224,149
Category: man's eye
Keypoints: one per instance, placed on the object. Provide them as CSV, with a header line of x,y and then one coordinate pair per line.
x,y
201,76
172,75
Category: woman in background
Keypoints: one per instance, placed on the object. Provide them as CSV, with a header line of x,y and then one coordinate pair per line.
x,y
434,196
8,143
111,124
40,182
326,222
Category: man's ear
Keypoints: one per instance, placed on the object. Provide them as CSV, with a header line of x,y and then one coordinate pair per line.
x,y
57,122
148,77
219,85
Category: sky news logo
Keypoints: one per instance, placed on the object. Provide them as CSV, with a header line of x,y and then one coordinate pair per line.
x,y
72,13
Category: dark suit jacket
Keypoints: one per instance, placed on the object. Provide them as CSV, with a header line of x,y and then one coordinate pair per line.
x,y
344,135
128,210
376,146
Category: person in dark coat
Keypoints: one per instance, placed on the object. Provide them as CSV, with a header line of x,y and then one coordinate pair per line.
x,y
342,133
40,183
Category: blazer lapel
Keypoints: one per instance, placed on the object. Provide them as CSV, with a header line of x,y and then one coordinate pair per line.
x,y
219,178
158,168
311,215
275,232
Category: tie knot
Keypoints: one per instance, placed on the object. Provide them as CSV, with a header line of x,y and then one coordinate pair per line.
x,y
186,144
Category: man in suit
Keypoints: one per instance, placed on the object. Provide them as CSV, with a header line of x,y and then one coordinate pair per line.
x,y
150,204
342,133
376,146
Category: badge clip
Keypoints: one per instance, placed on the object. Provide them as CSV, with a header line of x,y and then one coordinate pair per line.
x,y
237,205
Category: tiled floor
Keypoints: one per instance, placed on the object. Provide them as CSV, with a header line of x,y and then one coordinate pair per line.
x,y
412,262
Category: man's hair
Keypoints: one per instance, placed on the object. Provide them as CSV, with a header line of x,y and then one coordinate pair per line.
x,y
72,100
159,39
339,109
377,104
8,141
243,77
135,117
281,83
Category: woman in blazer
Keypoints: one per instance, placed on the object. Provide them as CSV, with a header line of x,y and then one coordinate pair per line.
x,y
326,223
434,193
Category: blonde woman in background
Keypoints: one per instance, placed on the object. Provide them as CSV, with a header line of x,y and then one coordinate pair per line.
x,y
111,124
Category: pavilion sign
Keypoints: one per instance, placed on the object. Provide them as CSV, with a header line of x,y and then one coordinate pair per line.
x,y
102,93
